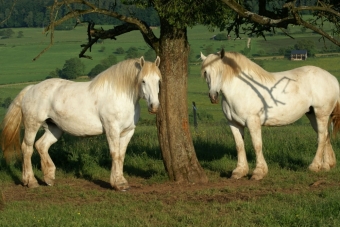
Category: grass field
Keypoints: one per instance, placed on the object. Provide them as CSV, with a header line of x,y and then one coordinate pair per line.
x,y
289,195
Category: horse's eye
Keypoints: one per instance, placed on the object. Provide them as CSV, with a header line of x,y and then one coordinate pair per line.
x,y
205,74
143,81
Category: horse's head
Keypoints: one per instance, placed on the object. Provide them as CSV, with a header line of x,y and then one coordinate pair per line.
x,y
211,71
150,78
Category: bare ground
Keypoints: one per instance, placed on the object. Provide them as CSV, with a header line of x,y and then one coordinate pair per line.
x,y
228,190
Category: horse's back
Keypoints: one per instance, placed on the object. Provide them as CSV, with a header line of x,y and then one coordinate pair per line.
x,y
45,94
68,104
285,99
317,83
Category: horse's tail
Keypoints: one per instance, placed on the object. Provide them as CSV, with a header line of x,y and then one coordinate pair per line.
x,y
335,118
10,135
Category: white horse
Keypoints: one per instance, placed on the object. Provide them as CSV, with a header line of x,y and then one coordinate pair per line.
x,y
107,104
253,97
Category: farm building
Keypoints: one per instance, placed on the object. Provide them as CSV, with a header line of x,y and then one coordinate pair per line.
x,y
297,55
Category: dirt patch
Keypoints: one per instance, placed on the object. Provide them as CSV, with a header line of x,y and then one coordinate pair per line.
x,y
224,191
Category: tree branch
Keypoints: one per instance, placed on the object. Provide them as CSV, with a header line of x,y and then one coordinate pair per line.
x,y
130,25
259,19
294,19
10,13
102,34
300,21
52,33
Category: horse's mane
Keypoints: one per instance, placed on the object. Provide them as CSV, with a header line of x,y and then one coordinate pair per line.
x,y
122,77
235,64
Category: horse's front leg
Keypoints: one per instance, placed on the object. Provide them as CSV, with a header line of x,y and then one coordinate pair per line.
x,y
242,164
123,143
261,169
117,180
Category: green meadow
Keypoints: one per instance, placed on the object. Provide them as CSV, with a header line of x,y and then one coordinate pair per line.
x,y
289,195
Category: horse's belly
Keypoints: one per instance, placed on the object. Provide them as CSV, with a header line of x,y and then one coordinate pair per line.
x,y
89,127
283,116
280,121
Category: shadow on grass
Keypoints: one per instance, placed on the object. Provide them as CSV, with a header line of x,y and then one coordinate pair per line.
x,y
102,184
81,156
12,170
138,172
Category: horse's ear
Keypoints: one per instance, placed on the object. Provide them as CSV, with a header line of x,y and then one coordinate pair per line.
x,y
142,61
222,53
203,57
157,61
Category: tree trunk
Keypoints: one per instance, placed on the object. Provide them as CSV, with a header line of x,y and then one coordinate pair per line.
x,y
174,136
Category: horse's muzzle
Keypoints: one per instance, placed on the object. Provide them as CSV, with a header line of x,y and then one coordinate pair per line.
x,y
153,109
213,98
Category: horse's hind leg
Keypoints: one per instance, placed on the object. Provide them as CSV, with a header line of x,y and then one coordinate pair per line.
x,y
27,151
329,160
51,135
325,156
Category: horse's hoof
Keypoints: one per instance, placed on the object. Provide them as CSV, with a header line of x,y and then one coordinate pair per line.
x,y
256,177
259,173
238,173
49,181
33,184
121,187
236,176
314,168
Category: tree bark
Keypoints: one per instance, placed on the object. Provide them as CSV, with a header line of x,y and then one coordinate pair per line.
x,y
174,136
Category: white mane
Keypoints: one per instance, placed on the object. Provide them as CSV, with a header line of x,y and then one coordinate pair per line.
x,y
120,77
233,64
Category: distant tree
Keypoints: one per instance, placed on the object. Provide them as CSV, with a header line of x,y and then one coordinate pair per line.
x,y
102,49
246,51
7,33
285,51
306,44
303,29
72,68
96,70
120,50
54,74
221,36
261,53
109,61
104,64
68,25
132,52
259,62
6,102
282,50
20,34
29,19
150,55
209,49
